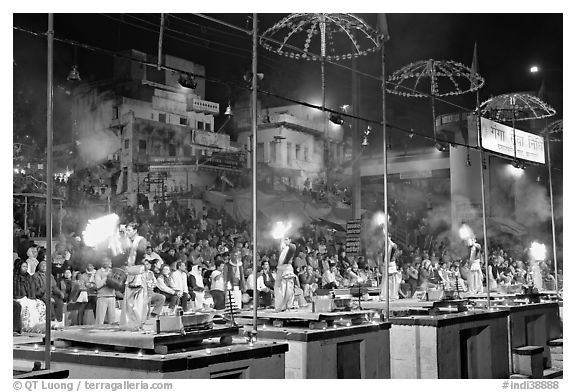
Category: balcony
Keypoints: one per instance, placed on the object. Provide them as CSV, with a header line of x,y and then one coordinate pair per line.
x,y
201,106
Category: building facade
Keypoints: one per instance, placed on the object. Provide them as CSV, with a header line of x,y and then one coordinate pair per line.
x,y
159,134
294,143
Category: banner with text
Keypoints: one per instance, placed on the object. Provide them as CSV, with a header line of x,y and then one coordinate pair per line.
x,y
500,138
353,229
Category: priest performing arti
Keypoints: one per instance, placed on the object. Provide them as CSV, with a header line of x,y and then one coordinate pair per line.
x,y
394,278
129,247
475,279
284,284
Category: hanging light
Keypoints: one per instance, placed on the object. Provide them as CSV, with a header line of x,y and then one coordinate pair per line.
x,y
468,163
74,75
365,137
519,164
187,81
228,111
336,119
411,134
441,147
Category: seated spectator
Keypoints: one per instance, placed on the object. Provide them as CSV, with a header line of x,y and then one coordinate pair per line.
x,y
151,255
196,285
265,283
308,282
32,260
329,277
65,285
166,288
28,312
56,297
180,282
88,293
155,300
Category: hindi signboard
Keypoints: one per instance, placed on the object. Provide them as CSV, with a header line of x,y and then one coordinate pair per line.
x,y
353,229
500,138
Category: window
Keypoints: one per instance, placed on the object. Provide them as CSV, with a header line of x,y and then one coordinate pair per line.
x,y
172,150
208,127
260,152
183,121
162,117
201,125
298,157
115,112
126,144
142,146
305,154
289,153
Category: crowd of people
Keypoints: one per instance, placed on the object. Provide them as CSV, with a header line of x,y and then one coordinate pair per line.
x,y
191,259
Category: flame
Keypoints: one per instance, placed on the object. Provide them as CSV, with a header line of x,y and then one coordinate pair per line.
x,y
538,251
100,229
280,229
379,218
465,232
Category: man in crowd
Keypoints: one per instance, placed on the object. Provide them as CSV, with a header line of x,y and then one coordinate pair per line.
x,y
105,295
180,282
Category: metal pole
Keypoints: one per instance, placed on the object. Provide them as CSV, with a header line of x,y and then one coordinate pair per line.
x,y
385,161
254,144
60,220
479,130
25,213
49,181
552,212
356,152
160,38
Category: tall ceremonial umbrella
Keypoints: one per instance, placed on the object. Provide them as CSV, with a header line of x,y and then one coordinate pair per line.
x,y
515,107
317,37
321,37
433,78
441,78
553,133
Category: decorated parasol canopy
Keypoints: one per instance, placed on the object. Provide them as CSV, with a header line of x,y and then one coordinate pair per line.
x,y
433,78
515,107
554,131
309,36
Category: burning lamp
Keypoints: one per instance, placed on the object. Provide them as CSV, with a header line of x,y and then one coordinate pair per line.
x,y
465,232
280,229
538,251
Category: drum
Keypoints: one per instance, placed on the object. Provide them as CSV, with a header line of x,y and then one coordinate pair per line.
x,y
116,279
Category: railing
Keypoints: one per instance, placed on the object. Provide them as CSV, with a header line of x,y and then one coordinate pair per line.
x,y
199,105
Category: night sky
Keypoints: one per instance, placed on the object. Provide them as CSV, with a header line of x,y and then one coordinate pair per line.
x,y
508,44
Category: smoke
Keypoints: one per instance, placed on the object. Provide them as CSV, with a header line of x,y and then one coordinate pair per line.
x,y
532,202
95,142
